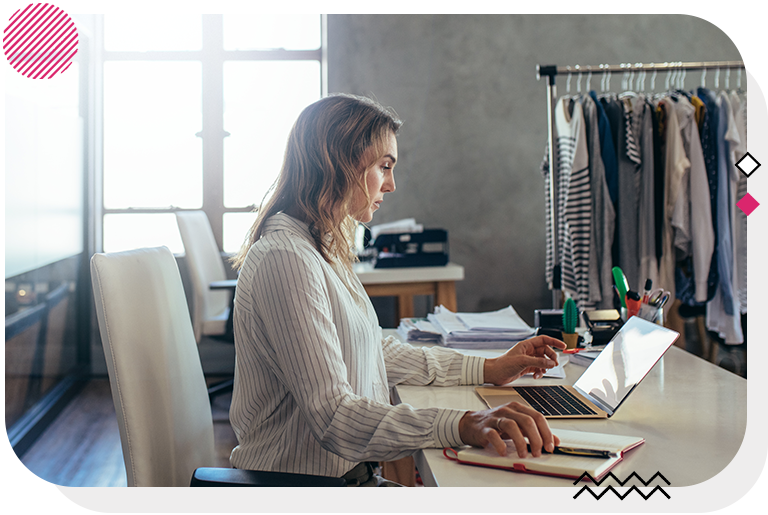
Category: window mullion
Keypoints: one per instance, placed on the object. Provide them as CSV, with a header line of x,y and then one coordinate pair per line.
x,y
213,123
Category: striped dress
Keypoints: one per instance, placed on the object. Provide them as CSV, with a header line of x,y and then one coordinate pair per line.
x,y
313,374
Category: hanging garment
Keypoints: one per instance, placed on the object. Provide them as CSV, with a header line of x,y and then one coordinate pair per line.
x,y
739,106
659,168
676,163
574,200
692,218
723,311
613,113
607,151
727,138
646,236
709,148
603,214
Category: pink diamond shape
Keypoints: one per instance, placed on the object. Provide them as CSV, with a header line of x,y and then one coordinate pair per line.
x,y
747,204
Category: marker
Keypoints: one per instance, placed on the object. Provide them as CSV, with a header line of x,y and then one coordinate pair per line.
x,y
633,303
647,291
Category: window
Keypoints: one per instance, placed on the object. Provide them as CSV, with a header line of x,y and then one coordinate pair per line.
x,y
197,111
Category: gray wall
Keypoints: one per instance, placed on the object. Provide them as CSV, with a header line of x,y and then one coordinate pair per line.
x,y
476,122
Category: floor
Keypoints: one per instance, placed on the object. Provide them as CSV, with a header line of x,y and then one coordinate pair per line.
x,y
82,446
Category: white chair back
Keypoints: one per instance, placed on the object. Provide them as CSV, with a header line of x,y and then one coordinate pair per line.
x,y
206,266
157,382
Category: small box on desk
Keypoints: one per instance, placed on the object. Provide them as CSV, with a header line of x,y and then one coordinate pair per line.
x,y
426,248
548,319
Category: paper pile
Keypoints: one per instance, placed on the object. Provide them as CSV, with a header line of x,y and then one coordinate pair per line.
x,y
492,330
418,330
398,226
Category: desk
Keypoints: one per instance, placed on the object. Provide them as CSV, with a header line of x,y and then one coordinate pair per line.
x,y
404,283
691,413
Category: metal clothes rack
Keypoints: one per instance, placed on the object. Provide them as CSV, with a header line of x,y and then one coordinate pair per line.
x,y
550,72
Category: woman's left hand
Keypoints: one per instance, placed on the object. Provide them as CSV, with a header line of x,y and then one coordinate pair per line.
x,y
534,355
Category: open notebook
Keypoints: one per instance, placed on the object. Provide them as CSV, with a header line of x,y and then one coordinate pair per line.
x,y
560,465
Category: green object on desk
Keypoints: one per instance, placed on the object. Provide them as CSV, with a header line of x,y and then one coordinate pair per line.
x,y
621,284
570,316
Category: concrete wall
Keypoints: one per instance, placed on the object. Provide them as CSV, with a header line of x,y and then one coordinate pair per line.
x,y
476,122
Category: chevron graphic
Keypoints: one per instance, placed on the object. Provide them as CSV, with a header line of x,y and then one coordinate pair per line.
x,y
622,483
622,497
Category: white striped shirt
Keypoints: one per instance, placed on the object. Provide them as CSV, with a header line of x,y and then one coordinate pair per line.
x,y
574,204
313,374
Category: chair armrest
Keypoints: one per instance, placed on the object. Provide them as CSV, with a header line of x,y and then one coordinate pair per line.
x,y
210,476
226,284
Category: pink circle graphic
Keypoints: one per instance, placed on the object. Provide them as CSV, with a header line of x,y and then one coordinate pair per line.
x,y
40,41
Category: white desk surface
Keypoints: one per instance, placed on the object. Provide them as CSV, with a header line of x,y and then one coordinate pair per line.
x,y
691,413
370,275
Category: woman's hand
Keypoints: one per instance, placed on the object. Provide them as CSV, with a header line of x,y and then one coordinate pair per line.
x,y
534,355
512,421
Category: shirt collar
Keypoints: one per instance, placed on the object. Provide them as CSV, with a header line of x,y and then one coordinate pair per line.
x,y
284,222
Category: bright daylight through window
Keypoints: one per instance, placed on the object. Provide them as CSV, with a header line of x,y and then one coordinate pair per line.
x,y
196,115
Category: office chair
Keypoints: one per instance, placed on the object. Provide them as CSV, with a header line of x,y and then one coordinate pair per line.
x,y
211,308
160,396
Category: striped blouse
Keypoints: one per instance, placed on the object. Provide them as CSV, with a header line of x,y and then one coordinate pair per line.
x,y
313,374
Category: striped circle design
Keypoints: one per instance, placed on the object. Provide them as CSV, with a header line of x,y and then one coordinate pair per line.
x,y
40,41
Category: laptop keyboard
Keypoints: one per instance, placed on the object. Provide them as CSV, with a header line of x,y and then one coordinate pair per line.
x,y
554,400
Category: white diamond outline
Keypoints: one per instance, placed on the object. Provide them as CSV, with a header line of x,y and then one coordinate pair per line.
x,y
754,161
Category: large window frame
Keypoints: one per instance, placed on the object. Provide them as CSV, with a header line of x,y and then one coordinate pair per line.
x,y
212,57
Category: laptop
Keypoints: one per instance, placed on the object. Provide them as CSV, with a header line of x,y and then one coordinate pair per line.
x,y
604,385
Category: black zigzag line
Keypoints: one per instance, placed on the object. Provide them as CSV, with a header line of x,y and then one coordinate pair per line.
x,y
620,496
622,483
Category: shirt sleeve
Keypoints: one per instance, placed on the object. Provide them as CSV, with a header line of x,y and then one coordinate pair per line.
x,y
292,299
434,366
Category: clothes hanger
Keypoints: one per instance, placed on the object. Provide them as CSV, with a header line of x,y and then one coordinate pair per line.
x,y
578,81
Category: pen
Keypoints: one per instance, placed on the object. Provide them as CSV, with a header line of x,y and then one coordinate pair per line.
x,y
576,451
647,291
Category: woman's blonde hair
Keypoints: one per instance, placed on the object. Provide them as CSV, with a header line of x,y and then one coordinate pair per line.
x,y
332,143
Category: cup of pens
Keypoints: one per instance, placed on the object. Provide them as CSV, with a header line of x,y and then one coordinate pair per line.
x,y
652,307
649,305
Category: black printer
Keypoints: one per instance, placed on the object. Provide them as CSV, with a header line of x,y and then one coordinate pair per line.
x,y
426,248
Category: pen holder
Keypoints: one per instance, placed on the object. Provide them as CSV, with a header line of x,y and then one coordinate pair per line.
x,y
647,312
571,340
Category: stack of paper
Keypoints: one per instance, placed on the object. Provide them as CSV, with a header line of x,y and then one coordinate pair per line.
x,y
418,330
398,226
493,330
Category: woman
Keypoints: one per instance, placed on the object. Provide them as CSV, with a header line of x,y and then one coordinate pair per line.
x,y
313,373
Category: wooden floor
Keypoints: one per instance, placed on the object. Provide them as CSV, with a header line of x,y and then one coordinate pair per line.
x,y
82,446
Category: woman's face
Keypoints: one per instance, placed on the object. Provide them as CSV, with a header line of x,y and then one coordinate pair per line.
x,y
380,179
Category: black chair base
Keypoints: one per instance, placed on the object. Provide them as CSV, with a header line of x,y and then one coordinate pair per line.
x,y
220,388
223,477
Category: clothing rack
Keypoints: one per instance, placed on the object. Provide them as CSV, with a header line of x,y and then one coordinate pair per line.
x,y
550,72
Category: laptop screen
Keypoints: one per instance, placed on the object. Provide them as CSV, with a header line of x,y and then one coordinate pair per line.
x,y
625,361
